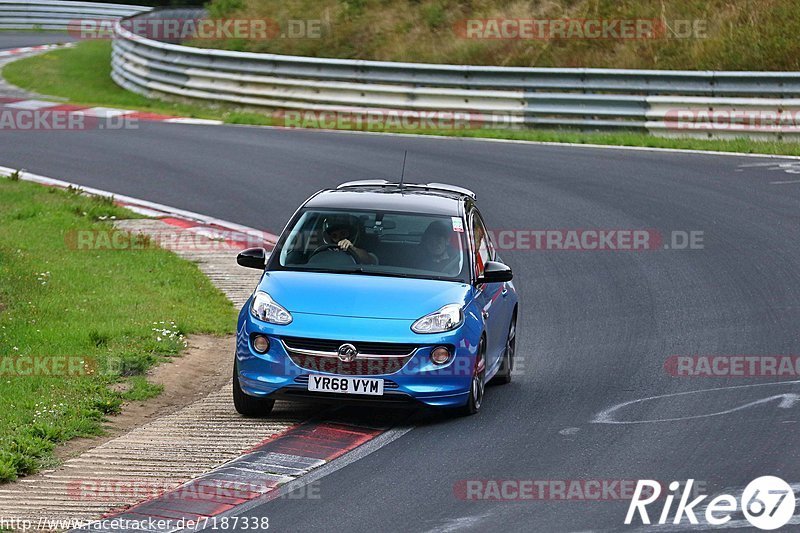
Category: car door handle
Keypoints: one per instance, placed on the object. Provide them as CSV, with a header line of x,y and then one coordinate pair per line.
x,y
485,314
504,293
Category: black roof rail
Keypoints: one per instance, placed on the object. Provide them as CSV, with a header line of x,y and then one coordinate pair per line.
x,y
424,186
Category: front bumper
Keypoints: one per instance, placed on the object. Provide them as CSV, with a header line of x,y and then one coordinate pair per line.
x,y
275,375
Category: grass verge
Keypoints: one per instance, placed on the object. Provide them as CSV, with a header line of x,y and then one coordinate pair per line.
x,y
745,146
119,312
82,75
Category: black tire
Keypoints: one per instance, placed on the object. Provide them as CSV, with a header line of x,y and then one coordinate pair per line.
x,y
249,405
503,376
478,385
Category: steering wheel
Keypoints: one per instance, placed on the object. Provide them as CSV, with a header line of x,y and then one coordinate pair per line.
x,y
327,247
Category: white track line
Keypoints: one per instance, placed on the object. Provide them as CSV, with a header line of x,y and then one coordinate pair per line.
x,y
536,143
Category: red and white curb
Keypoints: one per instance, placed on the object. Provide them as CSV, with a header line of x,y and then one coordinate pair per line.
x,y
29,49
255,476
236,235
41,106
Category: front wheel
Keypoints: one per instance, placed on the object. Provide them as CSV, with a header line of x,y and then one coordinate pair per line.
x,y
244,403
478,383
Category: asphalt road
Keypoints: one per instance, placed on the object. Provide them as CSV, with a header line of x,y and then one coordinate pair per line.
x,y
596,327
18,39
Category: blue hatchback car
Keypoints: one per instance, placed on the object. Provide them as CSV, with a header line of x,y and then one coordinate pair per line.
x,y
378,292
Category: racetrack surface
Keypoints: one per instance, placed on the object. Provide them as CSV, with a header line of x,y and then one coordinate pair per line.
x,y
595,328
18,39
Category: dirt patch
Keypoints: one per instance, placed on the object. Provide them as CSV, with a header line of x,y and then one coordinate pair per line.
x,y
205,366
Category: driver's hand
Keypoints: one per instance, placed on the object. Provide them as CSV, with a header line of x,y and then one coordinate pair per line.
x,y
345,245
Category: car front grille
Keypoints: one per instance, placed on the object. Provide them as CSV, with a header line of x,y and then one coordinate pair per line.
x,y
366,348
375,358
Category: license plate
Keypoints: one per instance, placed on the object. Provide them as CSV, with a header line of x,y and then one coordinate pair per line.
x,y
345,385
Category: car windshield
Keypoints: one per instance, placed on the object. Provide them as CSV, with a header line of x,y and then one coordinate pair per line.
x,y
374,243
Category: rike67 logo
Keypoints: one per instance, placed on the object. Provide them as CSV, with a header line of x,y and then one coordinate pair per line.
x,y
767,503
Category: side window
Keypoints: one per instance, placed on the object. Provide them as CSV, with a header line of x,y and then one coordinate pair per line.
x,y
481,243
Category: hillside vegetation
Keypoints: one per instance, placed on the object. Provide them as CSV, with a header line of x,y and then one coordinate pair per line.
x,y
733,34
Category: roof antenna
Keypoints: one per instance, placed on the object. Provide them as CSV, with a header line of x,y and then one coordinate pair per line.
x,y
403,172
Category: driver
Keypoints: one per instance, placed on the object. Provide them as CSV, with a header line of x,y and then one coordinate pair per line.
x,y
343,230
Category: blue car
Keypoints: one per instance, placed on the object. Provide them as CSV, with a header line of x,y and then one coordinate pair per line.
x,y
378,292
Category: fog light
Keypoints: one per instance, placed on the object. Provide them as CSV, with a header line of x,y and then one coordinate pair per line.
x,y
440,355
260,343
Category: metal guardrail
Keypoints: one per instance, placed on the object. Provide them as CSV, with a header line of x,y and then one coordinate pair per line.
x,y
57,15
712,103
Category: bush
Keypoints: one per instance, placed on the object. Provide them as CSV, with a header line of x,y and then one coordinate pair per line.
x,y
697,35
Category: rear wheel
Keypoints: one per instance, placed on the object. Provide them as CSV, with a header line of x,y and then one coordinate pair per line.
x,y
478,383
244,403
503,375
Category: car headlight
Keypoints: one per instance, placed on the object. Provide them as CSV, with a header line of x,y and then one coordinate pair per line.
x,y
445,319
265,308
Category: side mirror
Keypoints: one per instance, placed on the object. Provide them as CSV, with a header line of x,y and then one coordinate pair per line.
x,y
253,258
495,272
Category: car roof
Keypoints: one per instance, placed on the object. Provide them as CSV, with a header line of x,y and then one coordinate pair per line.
x,y
428,198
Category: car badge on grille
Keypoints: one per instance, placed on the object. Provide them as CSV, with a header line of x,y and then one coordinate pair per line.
x,y
347,353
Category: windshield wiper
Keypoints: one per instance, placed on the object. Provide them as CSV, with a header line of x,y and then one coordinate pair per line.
x,y
408,276
386,274
326,270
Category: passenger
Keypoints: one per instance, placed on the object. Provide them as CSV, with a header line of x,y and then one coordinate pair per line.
x,y
436,252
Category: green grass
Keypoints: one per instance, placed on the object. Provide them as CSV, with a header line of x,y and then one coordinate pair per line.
x,y
81,75
101,306
745,146
34,29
